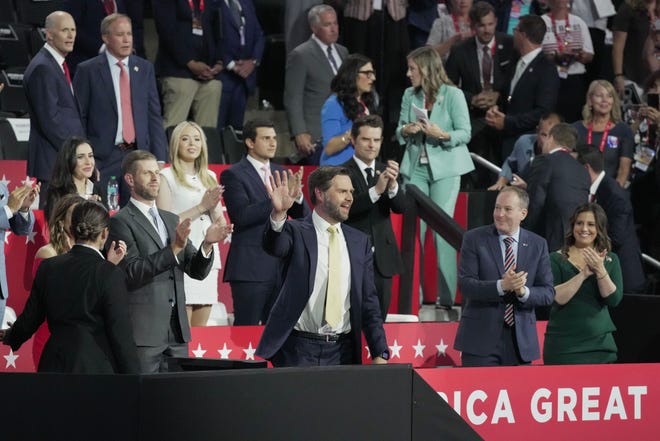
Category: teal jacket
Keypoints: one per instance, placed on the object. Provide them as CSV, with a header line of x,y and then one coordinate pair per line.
x,y
450,113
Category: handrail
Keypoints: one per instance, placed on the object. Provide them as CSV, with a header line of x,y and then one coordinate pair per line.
x,y
485,163
419,205
651,261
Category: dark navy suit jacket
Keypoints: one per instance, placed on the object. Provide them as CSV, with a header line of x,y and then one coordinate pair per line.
x,y
249,207
480,267
98,108
297,244
233,50
54,114
175,38
621,229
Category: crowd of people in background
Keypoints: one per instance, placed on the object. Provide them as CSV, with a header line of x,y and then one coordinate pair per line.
x,y
555,92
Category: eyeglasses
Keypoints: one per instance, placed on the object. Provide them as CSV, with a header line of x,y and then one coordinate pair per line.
x,y
368,73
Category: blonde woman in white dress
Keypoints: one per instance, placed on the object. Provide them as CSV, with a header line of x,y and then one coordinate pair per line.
x,y
189,189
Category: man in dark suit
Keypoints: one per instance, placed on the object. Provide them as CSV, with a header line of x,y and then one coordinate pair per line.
x,y
376,194
85,299
557,184
480,67
158,253
88,16
242,47
504,273
533,87
309,71
328,297
606,191
54,114
114,126
253,275
189,60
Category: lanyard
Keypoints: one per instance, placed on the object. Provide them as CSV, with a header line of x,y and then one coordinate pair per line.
x,y
567,31
602,140
457,25
192,5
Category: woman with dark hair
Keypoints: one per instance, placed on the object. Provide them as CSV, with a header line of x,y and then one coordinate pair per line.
x,y
588,282
352,97
434,126
84,297
74,172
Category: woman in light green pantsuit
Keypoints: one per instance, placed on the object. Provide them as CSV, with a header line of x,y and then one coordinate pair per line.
x,y
436,153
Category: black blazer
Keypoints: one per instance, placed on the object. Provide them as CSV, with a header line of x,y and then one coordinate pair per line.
x,y
373,219
464,70
84,297
621,229
557,185
535,95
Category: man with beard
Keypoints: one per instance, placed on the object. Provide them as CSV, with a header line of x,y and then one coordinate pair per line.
x,y
158,253
328,296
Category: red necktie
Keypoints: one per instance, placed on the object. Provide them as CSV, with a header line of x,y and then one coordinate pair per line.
x,y
128,129
67,74
509,261
109,6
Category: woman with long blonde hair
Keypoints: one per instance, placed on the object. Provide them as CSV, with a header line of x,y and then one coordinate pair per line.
x,y
191,190
602,126
436,153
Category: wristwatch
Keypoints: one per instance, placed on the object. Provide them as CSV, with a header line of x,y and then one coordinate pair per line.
x,y
385,355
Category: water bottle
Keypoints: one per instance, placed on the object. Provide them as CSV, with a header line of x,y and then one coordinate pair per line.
x,y
113,194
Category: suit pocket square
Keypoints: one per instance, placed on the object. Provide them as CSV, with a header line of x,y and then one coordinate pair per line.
x,y
505,62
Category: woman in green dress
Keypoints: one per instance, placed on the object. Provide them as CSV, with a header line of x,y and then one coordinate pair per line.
x,y
588,282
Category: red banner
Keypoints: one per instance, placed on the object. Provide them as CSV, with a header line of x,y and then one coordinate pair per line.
x,y
588,402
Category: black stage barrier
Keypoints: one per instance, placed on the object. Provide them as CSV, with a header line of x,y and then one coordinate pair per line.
x,y
638,328
345,403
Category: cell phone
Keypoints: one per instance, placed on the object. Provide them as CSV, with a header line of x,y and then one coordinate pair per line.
x,y
653,100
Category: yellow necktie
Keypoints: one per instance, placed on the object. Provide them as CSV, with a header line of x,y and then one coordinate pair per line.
x,y
333,297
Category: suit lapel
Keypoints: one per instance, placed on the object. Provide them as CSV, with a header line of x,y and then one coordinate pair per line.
x,y
523,251
322,59
106,78
355,299
145,224
496,250
360,183
311,246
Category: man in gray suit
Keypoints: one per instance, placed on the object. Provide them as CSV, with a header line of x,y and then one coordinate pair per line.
x,y
158,253
309,70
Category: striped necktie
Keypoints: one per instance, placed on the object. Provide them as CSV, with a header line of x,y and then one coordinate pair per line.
x,y
509,262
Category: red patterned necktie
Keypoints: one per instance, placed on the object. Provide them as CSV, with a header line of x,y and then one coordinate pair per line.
x,y
109,6
128,129
67,74
509,262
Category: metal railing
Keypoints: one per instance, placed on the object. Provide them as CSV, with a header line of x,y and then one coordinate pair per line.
x,y
419,205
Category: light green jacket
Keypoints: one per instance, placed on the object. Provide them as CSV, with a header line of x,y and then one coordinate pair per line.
x,y
450,113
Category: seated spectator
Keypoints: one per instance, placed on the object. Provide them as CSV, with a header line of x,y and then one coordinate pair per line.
x,y
449,29
567,43
615,201
74,172
557,185
601,126
587,279
524,150
85,299
188,188
352,96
